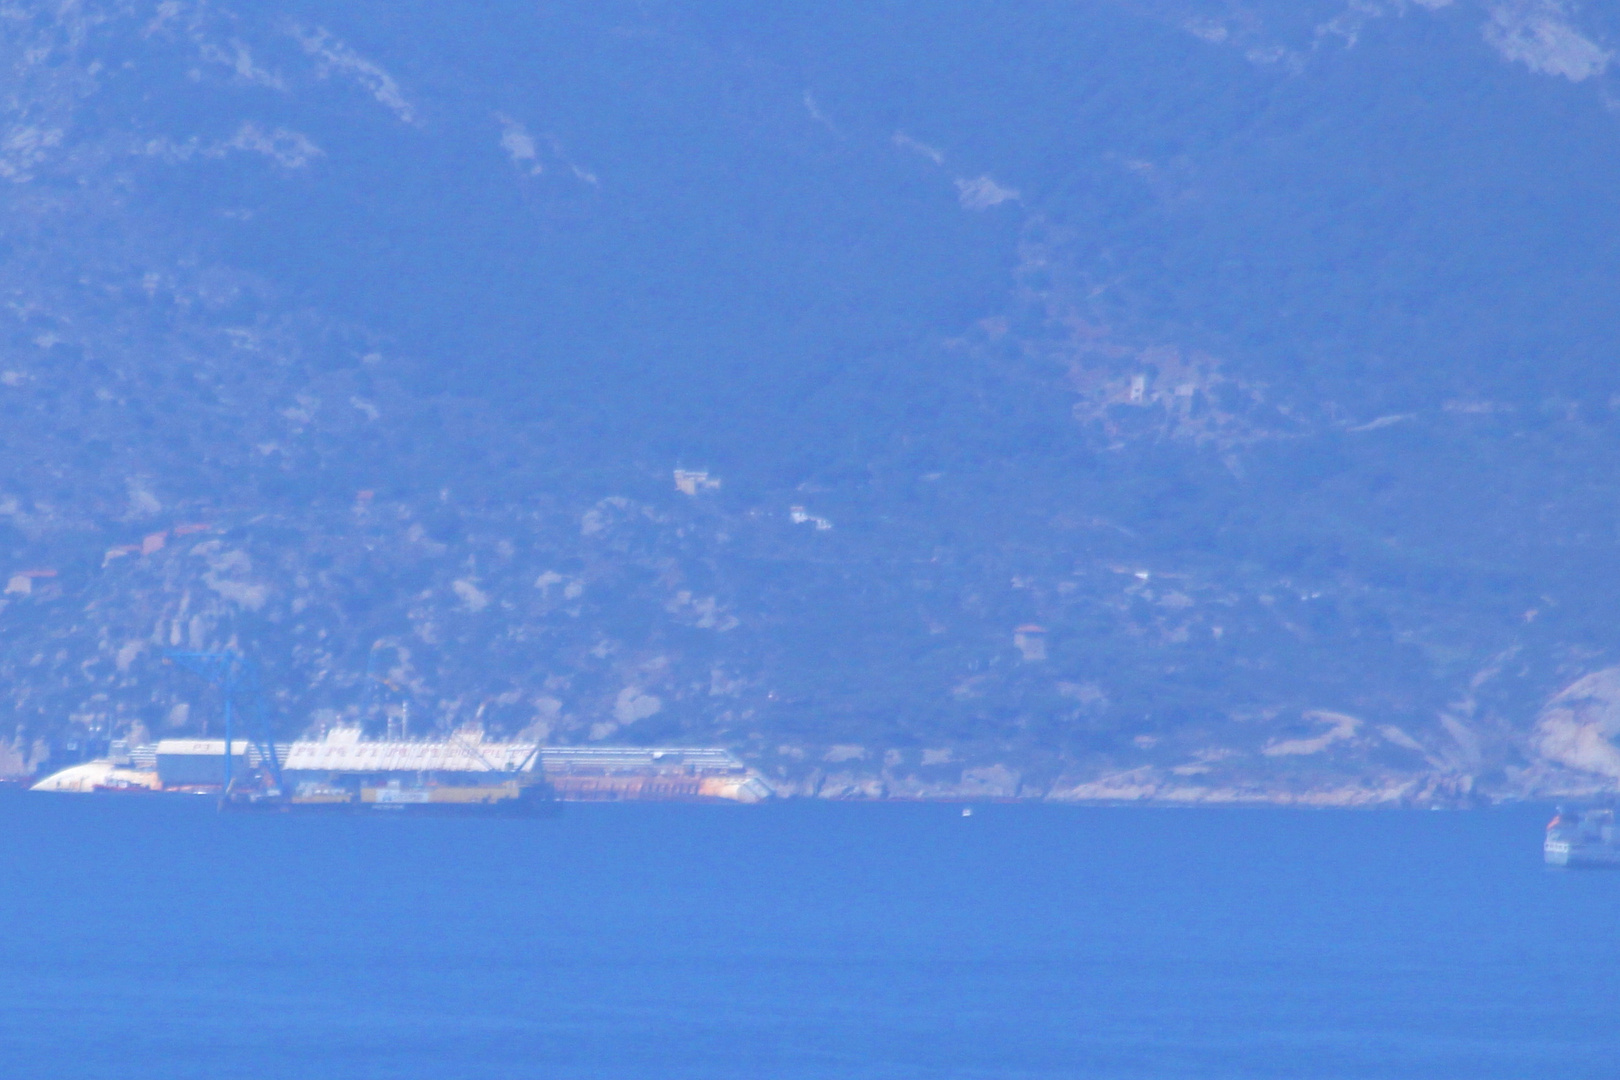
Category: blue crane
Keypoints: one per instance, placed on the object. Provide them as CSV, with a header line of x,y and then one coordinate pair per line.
x,y
237,677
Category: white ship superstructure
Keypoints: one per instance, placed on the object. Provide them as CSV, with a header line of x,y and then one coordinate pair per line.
x,y
343,758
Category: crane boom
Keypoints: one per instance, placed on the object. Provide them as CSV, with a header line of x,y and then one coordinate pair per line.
x,y
238,678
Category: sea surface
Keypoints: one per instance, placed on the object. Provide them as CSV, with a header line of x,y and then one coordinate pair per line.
x,y
151,937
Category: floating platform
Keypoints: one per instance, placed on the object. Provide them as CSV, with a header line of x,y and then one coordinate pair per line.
x,y
508,799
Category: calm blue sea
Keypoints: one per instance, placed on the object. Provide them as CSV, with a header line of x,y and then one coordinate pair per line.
x,y
154,938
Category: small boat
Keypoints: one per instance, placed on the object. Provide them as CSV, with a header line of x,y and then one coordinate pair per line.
x,y
1582,838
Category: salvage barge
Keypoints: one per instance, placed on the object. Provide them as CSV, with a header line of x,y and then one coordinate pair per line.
x,y
508,799
458,774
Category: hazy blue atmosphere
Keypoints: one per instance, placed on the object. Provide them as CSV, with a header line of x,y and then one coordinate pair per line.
x,y
1184,432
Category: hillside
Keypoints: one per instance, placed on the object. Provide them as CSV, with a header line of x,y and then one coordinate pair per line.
x,y
1192,401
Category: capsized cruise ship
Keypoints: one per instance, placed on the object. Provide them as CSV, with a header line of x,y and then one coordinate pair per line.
x,y
344,760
